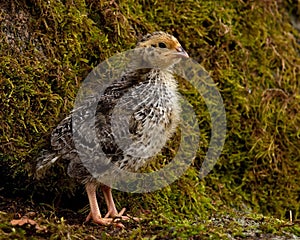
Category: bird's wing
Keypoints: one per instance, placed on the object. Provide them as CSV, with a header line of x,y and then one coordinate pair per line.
x,y
101,107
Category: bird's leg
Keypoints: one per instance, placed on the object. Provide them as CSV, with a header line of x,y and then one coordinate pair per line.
x,y
95,212
112,211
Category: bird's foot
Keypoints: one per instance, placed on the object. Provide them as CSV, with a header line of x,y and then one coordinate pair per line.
x,y
104,221
115,215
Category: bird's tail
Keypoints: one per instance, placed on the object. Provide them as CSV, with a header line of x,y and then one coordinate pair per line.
x,y
44,161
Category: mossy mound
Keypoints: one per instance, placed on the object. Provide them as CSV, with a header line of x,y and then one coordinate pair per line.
x,y
250,48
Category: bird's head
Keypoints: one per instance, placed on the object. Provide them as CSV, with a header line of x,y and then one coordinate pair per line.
x,y
162,50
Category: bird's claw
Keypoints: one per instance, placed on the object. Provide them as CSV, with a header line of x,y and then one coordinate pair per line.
x,y
105,221
112,218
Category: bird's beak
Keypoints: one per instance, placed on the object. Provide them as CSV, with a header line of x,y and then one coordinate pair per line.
x,y
181,53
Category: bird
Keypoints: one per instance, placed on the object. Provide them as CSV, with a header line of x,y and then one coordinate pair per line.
x,y
152,95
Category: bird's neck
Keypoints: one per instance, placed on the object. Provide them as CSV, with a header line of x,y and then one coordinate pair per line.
x,y
162,77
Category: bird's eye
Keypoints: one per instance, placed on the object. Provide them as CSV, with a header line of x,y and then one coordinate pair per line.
x,y
162,45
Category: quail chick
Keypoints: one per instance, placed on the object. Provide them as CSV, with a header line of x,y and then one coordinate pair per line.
x,y
154,118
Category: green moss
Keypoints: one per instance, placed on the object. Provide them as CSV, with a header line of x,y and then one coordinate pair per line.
x,y
251,50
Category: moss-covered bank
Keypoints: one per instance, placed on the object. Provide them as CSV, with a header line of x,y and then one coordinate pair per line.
x,y
250,48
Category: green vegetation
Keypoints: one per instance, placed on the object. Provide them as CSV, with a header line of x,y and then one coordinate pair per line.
x,y
252,51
